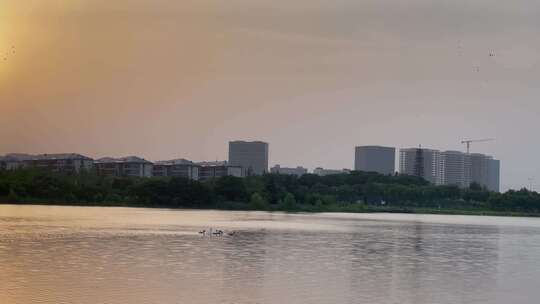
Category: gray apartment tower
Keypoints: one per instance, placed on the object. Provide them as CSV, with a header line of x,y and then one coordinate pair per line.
x,y
375,159
251,156
456,169
494,177
485,171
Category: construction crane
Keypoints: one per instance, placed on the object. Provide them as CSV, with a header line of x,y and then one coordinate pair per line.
x,y
469,141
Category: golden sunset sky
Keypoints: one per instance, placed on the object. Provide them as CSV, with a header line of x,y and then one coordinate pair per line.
x,y
169,79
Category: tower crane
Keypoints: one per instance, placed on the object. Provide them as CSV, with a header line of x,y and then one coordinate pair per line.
x,y
469,141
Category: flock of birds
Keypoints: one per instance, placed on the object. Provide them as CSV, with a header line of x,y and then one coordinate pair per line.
x,y
217,232
9,53
476,68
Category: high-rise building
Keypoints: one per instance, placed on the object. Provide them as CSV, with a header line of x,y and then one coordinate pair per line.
x,y
456,168
485,171
375,159
479,168
251,156
421,162
451,167
494,179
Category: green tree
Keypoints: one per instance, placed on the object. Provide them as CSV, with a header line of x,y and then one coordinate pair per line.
x,y
231,188
257,202
13,197
289,202
4,188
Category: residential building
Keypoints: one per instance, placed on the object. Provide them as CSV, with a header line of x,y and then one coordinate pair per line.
x,y
494,179
68,163
298,171
451,167
375,159
323,172
210,170
485,171
421,162
479,168
3,163
13,161
456,168
251,156
480,162
130,166
177,168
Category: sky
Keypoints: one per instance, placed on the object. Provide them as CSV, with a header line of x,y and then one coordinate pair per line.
x,y
170,79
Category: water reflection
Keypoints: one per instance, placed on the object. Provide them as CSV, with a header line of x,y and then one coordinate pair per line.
x,y
243,275
130,256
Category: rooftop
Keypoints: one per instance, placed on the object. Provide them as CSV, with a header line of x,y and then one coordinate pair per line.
x,y
375,146
247,142
180,161
212,163
127,159
23,157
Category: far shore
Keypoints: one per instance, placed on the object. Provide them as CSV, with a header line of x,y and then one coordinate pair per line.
x,y
331,209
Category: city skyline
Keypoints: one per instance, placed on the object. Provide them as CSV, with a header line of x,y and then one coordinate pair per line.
x,y
177,79
252,158
271,162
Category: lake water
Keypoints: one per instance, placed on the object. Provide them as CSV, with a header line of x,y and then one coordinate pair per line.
x,y
124,255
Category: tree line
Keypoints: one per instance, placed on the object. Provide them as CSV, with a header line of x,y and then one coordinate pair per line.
x,y
353,192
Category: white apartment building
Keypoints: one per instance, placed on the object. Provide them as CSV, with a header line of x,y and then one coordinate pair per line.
x,y
130,166
425,163
69,163
451,167
176,168
298,171
456,168
217,169
323,172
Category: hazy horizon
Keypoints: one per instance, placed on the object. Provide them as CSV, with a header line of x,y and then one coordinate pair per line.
x,y
313,78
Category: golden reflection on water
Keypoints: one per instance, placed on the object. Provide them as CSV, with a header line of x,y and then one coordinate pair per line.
x,y
125,255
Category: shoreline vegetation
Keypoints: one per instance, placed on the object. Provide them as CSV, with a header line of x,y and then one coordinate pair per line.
x,y
356,192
